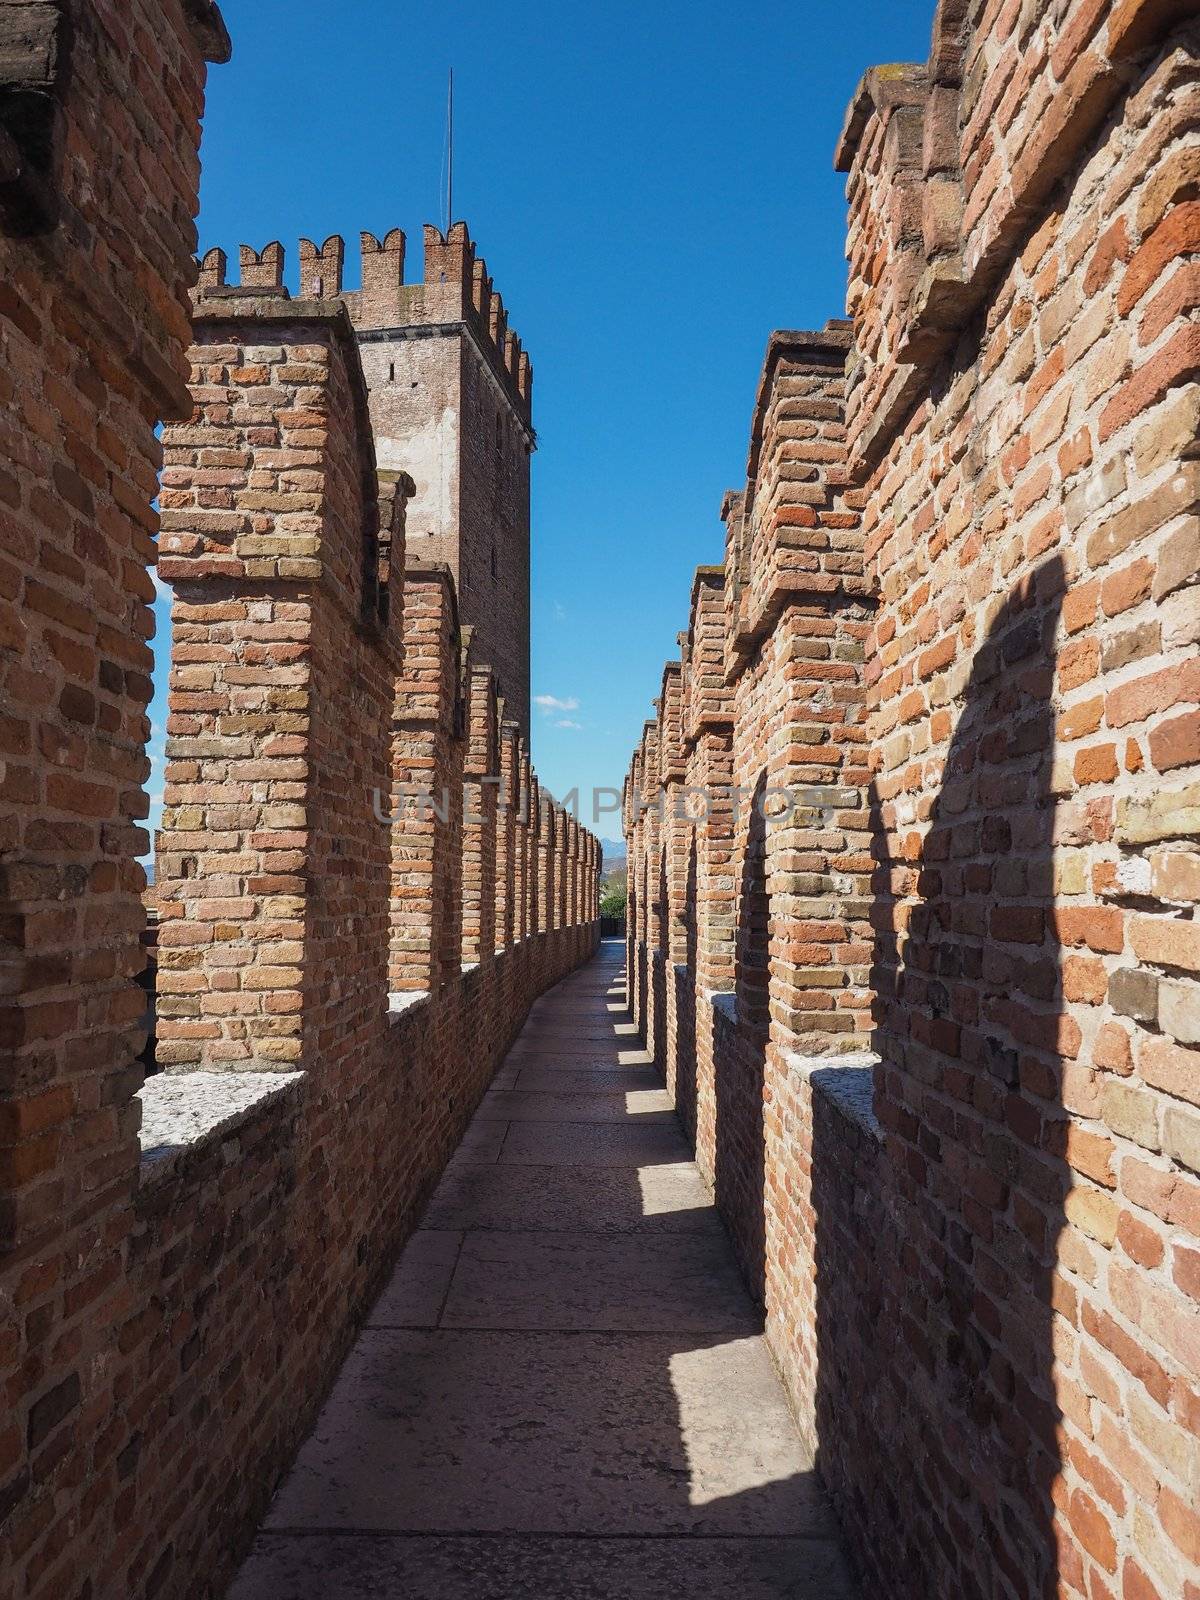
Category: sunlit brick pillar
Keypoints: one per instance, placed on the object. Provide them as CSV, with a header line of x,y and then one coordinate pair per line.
x,y
709,735
507,913
526,874
274,766
562,865
533,858
652,794
635,876
676,826
575,915
547,882
797,661
480,807
427,793
656,893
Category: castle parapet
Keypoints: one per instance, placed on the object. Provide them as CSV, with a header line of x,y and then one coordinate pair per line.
x,y
455,288
321,268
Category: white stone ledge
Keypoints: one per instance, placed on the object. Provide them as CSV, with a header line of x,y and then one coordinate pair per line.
x,y
181,1111
724,1002
404,1001
847,1080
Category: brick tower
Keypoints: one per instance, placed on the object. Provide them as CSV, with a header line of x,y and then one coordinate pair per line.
x,y
450,391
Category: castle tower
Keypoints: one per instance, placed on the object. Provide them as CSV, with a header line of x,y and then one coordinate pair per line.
x,y
450,391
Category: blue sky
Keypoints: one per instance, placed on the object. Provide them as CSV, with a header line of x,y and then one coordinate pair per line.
x,y
653,189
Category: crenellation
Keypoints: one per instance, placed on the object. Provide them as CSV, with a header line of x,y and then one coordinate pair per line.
x,y
481,291
321,268
262,269
380,300
214,265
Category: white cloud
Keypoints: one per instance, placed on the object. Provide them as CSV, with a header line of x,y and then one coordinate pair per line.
x,y
565,722
546,703
560,612
163,590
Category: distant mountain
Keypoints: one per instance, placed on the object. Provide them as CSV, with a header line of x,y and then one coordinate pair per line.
x,y
614,854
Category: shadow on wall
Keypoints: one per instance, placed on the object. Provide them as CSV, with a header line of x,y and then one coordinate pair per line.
x,y
972,1180
740,1071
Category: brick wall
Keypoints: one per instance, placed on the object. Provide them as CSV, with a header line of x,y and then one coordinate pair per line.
x,y
95,261
944,1070
302,691
175,1305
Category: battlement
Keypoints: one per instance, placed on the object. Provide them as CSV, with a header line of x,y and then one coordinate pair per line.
x,y
455,288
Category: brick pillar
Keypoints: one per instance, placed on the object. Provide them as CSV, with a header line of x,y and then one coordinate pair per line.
x,y
507,911
281,692
562,865
480,807
715,910
547,879
656,908
524,873
676,824
638,924
585,878
533,826
708,731
575,844
427,792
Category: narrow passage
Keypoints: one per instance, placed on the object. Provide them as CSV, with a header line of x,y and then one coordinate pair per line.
x,y
563,1391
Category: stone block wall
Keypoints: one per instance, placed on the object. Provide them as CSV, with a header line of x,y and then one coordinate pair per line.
x,y
941,1038
175,1298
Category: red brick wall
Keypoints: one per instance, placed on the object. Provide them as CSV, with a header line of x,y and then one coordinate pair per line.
x,y
172,1318
977,565
93,328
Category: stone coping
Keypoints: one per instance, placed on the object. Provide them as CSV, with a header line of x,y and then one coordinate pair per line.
x,y
723,1002
405,1000
848,1080
181,1111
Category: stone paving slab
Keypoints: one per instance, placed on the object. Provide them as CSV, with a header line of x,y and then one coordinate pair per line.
x,y
683,1283
444,1431
574,1079
397,1567
535,1105
595,1144
418,1288
564,1390
589,1057
657,1199
483,1139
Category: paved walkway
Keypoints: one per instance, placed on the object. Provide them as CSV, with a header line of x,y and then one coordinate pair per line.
x,y
563,1391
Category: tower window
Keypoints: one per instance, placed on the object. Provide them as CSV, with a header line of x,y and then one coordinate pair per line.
x,y
391,372
495,570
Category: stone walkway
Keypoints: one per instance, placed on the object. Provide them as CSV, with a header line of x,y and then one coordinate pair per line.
x,y
563,1391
